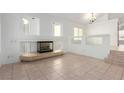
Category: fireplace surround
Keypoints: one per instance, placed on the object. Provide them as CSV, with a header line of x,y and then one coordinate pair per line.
x,y
44,46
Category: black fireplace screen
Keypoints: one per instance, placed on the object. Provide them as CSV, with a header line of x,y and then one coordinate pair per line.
x,y
44,46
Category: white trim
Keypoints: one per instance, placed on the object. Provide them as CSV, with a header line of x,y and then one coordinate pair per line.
x,y
79,38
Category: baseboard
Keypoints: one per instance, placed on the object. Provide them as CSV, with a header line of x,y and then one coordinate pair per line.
x,y
86,56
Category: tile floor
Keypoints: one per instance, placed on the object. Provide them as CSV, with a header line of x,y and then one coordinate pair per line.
x,y
66,67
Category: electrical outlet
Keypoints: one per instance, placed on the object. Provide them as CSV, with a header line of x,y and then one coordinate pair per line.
x,y
10,57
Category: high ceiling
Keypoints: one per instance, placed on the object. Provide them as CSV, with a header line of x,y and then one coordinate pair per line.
x,y
82,18
119,16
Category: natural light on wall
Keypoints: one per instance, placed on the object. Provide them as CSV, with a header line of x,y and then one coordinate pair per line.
x,y
31,26
25,21
26,26
94,40
78,33
57,30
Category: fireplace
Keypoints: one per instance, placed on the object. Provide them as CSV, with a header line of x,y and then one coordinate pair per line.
x,y
44,46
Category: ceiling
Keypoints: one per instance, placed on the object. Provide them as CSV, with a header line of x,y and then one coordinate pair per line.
x,y
119,16
82,18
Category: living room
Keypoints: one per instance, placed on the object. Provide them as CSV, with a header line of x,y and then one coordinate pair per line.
x,y
60,38
65,46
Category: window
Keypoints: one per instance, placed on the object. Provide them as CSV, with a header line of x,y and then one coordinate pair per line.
x,y
31,26
26,26
121,35
57,30
78,33
121,38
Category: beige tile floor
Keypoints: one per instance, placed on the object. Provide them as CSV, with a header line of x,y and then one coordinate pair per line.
x,y
66,67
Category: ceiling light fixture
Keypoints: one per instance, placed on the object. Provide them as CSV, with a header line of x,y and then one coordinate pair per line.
x,y
92,18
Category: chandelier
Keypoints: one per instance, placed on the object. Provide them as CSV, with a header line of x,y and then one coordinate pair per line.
x,y
92,18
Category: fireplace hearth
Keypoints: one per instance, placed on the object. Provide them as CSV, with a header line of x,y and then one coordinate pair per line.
x,y
44,46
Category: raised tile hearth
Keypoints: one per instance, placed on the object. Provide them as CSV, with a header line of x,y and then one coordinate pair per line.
x,y
28,57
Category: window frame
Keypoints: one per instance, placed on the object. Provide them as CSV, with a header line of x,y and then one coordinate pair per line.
x,y
29,33
61,29
79,36
121,35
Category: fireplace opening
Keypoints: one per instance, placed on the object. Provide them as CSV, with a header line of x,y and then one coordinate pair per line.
x,y
44,46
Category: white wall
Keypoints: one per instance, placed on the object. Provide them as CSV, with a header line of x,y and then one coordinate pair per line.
x,y
12,34
102,18
98,51
0,40
105,27
0,34
76,47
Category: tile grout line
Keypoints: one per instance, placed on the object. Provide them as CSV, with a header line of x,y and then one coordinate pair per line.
x,y
26,73
89,67
41,72
122,74
106,71
88,70
12,73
